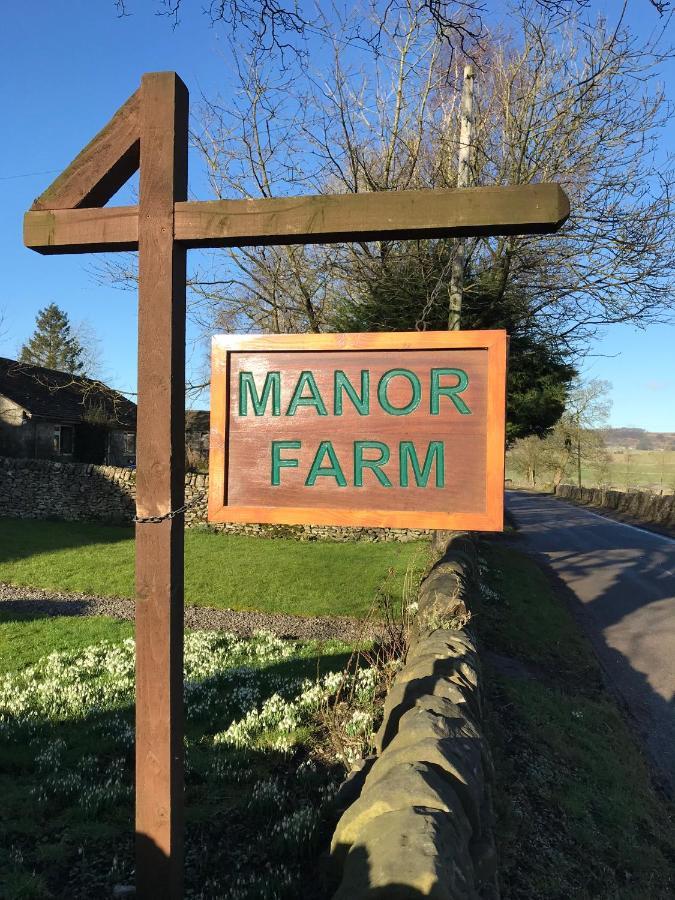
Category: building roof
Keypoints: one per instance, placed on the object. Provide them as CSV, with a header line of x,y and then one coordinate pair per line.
x,y
197,420
62,397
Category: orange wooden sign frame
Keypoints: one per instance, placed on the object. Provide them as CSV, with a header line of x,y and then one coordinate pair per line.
x,y
491,519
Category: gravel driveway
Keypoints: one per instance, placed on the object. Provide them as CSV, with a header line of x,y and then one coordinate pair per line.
x,y
31,603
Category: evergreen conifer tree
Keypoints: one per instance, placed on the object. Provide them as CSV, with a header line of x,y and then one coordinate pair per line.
x,y
403,295
53,344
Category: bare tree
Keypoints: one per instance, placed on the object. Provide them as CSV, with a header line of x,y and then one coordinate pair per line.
x,y
347,128
567,445
529,457
560,98
587,411
575,440
272,24
252,147
92,352
277,25
628,469
579,103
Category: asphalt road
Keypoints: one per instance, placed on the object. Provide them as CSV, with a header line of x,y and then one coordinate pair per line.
x,y
624,579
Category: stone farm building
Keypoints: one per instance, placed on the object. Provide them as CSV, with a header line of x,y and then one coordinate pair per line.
x,y
46,414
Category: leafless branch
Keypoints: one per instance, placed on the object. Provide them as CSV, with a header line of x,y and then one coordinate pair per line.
x,y
560,98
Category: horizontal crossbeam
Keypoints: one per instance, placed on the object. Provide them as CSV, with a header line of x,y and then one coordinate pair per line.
x,y
523,209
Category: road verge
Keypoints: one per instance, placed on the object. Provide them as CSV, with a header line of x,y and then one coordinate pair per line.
x,y
578,813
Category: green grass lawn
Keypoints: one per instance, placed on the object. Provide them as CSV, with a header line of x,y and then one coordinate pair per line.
x,y
23,641
577,814
245,573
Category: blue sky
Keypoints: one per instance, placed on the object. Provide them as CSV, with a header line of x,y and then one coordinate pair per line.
x,y
67,67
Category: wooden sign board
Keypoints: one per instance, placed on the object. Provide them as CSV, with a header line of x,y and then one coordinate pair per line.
x,y
401,430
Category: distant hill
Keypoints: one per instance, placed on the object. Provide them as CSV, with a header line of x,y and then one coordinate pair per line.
x,y
638,439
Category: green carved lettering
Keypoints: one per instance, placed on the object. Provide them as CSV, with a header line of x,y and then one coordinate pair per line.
x,y
331,471
315,399
408,457
414,384
452,391
278,463
342,383
373,464
247,388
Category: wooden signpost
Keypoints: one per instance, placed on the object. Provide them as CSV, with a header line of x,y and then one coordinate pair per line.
x,y
151,131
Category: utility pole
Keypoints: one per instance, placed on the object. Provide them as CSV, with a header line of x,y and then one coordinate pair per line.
x,y
463,178
579,447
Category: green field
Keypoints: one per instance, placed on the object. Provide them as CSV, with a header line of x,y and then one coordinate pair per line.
x,y
275,575
654,469
628,470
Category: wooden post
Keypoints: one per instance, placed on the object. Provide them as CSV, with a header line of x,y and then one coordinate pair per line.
x,y
160,490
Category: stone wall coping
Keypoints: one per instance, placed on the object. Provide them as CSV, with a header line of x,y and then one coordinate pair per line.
x,y
419,815
657,509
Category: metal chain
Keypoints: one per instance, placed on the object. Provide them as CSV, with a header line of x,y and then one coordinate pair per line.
x,y
153,520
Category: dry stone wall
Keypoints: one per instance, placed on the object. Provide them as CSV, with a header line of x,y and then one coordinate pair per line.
x,y
43,489
649,508
421,821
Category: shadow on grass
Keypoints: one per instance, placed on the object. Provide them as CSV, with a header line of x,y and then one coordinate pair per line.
x,y
241,572
24,538
67,825
43,608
